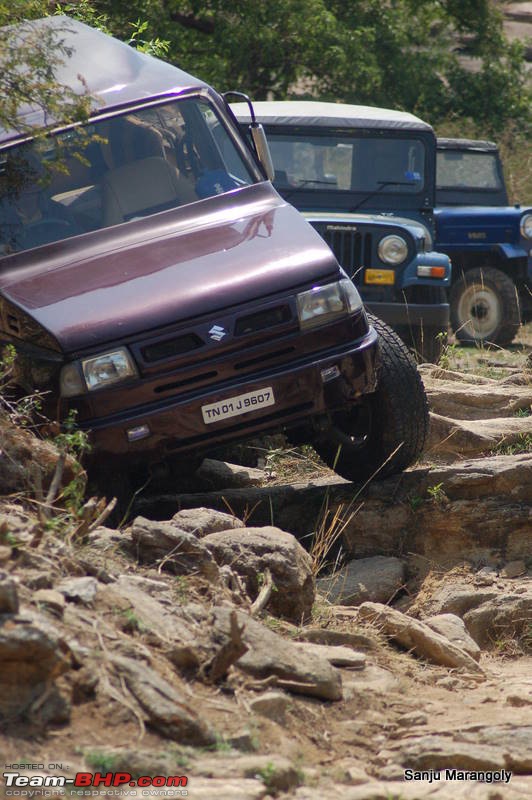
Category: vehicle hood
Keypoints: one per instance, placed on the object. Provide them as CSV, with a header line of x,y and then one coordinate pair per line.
x,y
478,223
143,275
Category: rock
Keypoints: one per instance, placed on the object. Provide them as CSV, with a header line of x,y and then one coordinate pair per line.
x,y
506,616
377,579
5,553
250,551
418,637
272,705
454,629
84,683
8,594
50,600
372,679
276,772
514,569
412,718
168,545
439,752
269,654
338,656
227,789
461,399
79,590
130,595
334,637
35,579
485,576
23,456
103,538
519,699
452,595
30,660
243,740
166,709
222,475
458,438
202,521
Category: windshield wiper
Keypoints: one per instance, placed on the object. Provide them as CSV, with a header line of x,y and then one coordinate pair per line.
x,y
381,184
305,183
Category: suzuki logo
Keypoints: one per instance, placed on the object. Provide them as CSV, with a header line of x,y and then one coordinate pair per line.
x,y
217,333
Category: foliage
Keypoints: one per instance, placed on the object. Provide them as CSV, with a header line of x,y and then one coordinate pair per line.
x,y
29,61
405,54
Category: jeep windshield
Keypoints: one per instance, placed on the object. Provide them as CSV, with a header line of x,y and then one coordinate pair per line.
x,y
341,163
468,170
117,169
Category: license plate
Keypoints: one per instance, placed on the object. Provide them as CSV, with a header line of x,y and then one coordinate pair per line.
x,y
240,404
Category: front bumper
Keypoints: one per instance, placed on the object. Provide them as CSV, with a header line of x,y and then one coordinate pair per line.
x,y
300,389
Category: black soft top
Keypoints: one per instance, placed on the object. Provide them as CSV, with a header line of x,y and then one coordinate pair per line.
x,y
465,144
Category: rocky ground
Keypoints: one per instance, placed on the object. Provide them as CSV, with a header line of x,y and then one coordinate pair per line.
x,y
199,639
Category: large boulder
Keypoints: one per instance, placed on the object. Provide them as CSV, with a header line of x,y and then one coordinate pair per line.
x,y
166,709
30,659
268,654
418,637
250,551
202,521
171,548
376,579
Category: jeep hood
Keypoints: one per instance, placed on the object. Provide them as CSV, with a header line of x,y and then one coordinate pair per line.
x,y
173,266
478,224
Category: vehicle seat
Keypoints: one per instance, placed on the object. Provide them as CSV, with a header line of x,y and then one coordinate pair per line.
x,y
141,188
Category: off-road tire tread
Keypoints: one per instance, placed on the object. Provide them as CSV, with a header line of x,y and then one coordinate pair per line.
x,y
400,416
507,291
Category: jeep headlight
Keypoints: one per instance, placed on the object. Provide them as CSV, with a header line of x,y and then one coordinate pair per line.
x,y
98,372
526,226
322,304
392,249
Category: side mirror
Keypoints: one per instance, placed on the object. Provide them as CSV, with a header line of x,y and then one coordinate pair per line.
x,y
258,137
262,149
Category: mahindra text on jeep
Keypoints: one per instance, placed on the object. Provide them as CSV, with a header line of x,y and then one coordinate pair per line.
x,y
489,241
153,281
336,163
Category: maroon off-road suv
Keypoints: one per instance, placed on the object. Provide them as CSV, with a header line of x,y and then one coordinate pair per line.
x,y
152,279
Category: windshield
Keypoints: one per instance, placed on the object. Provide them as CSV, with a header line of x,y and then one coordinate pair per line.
x,y
347,163
116,170
467,170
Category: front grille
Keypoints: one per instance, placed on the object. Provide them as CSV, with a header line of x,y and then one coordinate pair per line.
x,y
352,249
267,318
171,347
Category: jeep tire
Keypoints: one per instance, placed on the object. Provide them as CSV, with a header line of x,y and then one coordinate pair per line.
x,y
485,307
387,432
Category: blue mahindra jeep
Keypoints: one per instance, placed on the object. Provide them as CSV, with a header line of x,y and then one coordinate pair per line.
x,y
365,179
489,241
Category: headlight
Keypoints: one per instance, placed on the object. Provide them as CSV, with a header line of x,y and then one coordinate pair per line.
x,y
392,250
325,303
353,299
97,373
526,226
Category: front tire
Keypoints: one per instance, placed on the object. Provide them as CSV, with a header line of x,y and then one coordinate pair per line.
x,y
387,433
485,307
